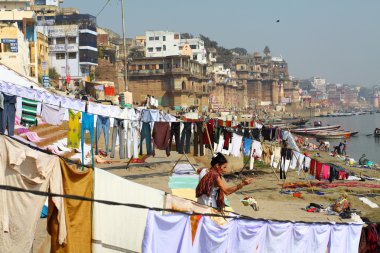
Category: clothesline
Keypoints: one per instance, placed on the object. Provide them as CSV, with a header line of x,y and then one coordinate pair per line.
x,y
46,152
67,103
114,203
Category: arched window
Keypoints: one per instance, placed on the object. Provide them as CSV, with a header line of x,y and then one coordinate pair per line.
x,y
183,85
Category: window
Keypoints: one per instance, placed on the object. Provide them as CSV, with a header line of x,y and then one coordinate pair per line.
x,y
158,49
150,49
72,40
157,38
151,38
164,38
60,40
161,66
50,41
181,47
147,66
86,55
176,36
87,39
139,67
195,57
60,56
193,46
164,47
72,55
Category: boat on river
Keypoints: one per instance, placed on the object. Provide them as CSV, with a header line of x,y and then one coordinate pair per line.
x,y
376,133
314,130
335,135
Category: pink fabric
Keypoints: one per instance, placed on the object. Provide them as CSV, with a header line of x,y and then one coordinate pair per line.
x,y
326,171
33,137
17,121
22,130
54,150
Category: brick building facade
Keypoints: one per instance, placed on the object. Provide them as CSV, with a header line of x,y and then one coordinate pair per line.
x,y
176,81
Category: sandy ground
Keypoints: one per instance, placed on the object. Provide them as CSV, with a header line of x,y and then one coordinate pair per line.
x,y
265,189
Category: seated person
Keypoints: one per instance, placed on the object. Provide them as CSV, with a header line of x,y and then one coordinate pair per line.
x,y
363,160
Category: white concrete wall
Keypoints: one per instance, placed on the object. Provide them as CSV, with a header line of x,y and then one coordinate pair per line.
x,y
60,64
198,48
171,44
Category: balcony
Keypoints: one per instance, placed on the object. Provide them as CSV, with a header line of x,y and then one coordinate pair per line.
x,y
146,72
63,47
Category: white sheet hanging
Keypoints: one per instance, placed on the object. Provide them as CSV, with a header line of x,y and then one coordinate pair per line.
x,y
120,228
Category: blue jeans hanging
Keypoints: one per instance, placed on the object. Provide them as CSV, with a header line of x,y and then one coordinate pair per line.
x,y
102,123
87,124
146,134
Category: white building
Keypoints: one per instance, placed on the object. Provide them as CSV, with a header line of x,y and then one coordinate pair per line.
x,y
73,46
162,43
319,83
218,68
198,48
64,50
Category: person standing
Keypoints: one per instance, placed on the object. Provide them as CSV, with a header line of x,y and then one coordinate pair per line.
x,y
344,148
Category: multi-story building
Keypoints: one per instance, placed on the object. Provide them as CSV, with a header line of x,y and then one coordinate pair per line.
x,y
64,51
198,49
40,53
267,79
15,4
176,81
14,48
162,43
319,83
72,44
23,43
228,93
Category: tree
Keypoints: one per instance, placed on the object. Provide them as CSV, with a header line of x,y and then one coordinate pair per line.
x,y
186,36
240,50
208,42
53,74
135,53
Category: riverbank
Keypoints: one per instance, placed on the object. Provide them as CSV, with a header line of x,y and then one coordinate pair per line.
x,y
266,189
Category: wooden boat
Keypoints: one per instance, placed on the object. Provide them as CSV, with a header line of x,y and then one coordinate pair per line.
x,y
313,130
335,134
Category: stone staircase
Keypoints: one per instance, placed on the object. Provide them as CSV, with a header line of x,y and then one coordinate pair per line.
x,y
50,133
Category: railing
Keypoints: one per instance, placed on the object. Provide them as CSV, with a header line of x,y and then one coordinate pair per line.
x,y
147,72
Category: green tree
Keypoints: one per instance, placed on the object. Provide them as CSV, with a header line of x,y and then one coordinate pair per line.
x,y
186,36
135,53
53,74
240,50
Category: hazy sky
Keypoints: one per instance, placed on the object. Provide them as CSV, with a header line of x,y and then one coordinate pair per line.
x,y
335,39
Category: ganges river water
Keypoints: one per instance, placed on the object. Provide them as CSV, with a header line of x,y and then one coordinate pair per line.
x,y
361,143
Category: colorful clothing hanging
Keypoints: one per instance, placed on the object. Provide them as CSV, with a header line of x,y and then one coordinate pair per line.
x,y
77,213
73,135
29,112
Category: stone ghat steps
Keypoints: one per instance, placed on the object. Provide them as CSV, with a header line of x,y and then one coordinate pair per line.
x,y
52,137
45,129
49,133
